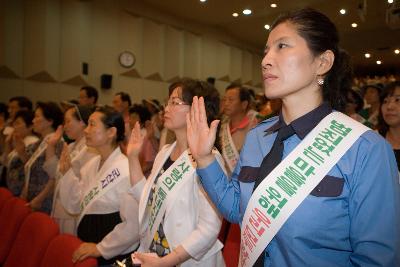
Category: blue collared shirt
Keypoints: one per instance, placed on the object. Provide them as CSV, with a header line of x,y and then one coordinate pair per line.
x,y
352,218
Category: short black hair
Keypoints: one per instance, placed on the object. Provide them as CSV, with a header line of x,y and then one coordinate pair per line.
x,y
91,92
51,111
244,93
124,97
26,115
142,111
23,102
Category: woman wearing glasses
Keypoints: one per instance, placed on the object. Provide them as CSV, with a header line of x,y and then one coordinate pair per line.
x,y
75,122
177,221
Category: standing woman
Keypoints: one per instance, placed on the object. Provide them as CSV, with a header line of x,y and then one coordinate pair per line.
x,y
177,220
337,217
390,118
107,221
19,147
39,186
75,122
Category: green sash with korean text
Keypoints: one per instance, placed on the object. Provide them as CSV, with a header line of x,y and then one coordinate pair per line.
x,y
229,151
285,188
100,187
167,187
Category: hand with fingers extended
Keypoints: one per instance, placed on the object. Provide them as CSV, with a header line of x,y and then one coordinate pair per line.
x,y
84,251
56,137
135,142
65,160
200,136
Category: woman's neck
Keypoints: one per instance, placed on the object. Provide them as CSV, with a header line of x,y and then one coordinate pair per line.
x,y
375,107
293,107
46,132
104,153
393,137
181,144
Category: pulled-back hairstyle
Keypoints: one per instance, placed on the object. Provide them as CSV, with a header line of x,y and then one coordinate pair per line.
x,y
321,34
52,112
112,118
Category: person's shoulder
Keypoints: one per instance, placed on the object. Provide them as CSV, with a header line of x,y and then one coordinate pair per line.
x,y
264,125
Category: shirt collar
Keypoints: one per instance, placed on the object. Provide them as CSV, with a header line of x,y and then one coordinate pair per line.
x,y
243,124
303,125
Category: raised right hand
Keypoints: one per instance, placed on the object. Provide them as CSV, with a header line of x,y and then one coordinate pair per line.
x,y
200,137
135,142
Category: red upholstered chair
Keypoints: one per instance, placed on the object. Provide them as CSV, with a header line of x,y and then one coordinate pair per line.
x,y
12,215
33,238
4,195
232,246
59,253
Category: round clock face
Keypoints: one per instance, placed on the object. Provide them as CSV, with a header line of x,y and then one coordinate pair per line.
x,y
127,59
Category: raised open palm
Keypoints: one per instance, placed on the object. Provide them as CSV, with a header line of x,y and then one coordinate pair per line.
x,y
200,136
135,142
56,137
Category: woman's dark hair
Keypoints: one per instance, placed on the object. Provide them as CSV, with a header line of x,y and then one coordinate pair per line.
x,y
112,118
125,97
191,88
52,112
82,112
321,35
26,115
142,111
356,99
23,102
378,87
383,127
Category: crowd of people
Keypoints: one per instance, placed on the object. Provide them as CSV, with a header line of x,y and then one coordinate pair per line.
x,y
154,181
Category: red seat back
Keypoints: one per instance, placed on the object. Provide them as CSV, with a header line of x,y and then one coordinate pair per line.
x,y
232,246
33,238
4,195
59,253
12,215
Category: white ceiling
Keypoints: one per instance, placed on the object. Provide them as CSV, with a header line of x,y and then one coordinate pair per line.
x,y
372,35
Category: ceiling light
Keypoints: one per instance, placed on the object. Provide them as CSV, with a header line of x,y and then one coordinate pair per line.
x,y
203,1
267,27
342,11
378,62
354,25
390,1
397,51
274,5
235,14
246,11
367,55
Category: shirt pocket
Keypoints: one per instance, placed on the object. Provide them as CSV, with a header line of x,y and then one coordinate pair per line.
x,y
330,186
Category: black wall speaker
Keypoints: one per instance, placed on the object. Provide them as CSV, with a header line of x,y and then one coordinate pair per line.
x,y
106,80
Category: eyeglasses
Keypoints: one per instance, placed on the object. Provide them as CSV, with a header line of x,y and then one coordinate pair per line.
x,y
175,102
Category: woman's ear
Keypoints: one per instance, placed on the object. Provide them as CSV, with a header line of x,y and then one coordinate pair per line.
x,y
326,60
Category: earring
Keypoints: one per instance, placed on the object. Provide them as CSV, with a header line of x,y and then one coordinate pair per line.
x,y
320,81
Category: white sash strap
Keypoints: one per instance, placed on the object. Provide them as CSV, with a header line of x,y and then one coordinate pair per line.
x,y
167,188
39,151
229,151
285,188
101,187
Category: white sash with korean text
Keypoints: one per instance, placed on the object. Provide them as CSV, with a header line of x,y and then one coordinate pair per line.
x,y
284,189
167,187
229,151
109,180
38,152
